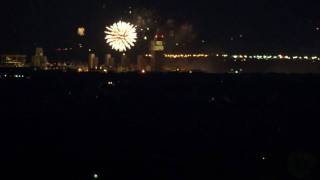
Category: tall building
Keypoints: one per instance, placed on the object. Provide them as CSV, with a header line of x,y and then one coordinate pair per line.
x,y
93,62
109,62
125,64
156,49
39,60
143,63
13,60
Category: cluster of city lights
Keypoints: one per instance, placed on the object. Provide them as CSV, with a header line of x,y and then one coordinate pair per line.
x,y
12,76
268,57
184,56
64,49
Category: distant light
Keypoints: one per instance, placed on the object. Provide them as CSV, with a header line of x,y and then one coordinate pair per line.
x,y
145,38
177,44
148,29
318,28
90,50
190,72
96,176
143,71
281,56
110,83
212,99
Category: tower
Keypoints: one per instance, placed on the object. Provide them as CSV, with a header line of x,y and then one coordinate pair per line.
x,y
156,47
39,60
93,62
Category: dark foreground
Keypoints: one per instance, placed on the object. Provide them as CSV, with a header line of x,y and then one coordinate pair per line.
x,y
171,126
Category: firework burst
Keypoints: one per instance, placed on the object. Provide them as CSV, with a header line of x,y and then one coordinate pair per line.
x,y
121,36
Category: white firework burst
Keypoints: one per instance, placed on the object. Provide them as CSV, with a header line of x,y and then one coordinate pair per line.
x,y
121,36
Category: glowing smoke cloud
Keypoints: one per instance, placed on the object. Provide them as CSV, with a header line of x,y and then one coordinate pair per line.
x,y
121,36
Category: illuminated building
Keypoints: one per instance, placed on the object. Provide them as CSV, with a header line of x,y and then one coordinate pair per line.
x,y
13,60
109,62
144,63
125,64
39,60
156,49
93,62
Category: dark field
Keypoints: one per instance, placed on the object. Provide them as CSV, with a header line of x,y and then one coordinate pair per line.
x,y
159,126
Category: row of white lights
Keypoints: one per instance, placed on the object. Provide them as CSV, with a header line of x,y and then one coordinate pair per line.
x,y
12,76
179,56
242,57
269,57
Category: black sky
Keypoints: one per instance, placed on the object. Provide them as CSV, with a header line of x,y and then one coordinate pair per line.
x,y
266,25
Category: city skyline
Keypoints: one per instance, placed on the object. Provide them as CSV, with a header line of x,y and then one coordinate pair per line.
x,y
276,27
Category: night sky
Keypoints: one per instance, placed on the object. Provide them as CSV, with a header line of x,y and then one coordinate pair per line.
x,y
252,26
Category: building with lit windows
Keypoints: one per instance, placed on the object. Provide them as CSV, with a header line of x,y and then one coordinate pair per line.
x,y
13,60
39,60
93,62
